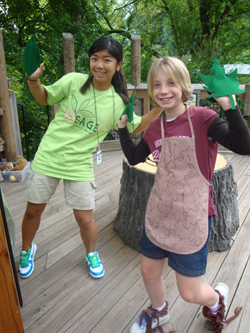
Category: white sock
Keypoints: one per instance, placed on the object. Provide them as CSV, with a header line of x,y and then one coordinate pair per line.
x,y
161,307
216,306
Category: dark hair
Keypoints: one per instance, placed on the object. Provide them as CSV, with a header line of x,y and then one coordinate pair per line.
x,y
118,79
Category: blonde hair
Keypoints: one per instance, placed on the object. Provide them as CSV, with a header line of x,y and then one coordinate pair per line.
x,y
176,70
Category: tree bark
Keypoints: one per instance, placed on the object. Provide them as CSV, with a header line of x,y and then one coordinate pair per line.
x,y
6,124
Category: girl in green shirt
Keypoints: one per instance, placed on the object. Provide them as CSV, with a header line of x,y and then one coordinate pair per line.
x,y
90,105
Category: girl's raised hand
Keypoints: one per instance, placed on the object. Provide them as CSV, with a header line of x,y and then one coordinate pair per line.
x,y
37,73
123,121
225,102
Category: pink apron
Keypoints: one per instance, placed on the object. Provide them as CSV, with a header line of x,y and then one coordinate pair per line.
x,y
177,211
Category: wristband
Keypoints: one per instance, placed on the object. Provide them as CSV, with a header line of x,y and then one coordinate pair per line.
x,y
34,85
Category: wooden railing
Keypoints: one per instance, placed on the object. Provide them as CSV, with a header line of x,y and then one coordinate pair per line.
x,y
142,105
141,93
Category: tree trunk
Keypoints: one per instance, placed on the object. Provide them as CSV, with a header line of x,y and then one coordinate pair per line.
x,y
6,124
135,188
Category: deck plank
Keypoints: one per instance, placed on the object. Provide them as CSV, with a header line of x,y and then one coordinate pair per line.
x,y
60,296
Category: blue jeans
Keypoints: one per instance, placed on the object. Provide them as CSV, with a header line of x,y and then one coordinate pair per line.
x,y
190,265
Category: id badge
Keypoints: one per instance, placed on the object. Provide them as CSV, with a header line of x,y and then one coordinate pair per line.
x,y
69,116
99,157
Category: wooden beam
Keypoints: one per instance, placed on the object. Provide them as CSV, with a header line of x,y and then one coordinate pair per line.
x,y
112,144
68,53
6,124
10,319
135,60
69,61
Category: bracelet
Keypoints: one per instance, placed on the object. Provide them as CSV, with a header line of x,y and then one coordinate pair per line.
x,y
33,80
33,85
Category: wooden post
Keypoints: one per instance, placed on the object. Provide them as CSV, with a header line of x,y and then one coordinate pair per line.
x,y
247,103
135,60
69,61
10,318
6,124
68,53
136,75
16,127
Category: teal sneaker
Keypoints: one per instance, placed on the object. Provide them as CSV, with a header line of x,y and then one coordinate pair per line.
x,y
26,266
95,265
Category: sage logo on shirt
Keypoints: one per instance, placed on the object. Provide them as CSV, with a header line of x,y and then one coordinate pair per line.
x,y
85,119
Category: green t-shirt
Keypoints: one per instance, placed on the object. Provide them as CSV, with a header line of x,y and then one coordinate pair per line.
x,y
66,148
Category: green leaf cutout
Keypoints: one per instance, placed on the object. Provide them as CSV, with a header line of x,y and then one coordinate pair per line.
x,y
219,84
31,57
129,109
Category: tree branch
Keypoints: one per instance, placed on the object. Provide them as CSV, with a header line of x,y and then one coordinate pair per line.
x,y
128,36
173,26
100,12
127,5
220,22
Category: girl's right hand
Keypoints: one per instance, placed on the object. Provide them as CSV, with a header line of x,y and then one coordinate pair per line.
x,y
37,73
225,102
123,121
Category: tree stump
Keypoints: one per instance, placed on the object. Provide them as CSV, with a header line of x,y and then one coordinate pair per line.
x,y
136,184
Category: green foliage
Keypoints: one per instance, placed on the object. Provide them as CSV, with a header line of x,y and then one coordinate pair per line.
x,y
195,31
46,21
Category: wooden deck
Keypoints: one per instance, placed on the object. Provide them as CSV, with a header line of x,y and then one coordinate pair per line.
x,y
60,296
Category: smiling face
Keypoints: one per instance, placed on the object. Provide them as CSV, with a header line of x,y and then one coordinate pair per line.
x,y
168,95
103,66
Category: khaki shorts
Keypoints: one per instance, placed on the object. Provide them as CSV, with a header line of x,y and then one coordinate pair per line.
x,y
78,195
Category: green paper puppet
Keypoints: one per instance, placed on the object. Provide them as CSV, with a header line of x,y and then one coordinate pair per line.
x,y
129,109
220,85
31,57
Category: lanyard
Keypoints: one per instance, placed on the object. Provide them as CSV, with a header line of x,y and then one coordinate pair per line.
x,y
99,158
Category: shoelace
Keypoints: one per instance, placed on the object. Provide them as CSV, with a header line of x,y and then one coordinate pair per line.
x,y
223,322
143,321
218,320
25,258
93,260
149,316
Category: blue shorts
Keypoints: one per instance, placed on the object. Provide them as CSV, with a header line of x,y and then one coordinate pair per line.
x,y
190,265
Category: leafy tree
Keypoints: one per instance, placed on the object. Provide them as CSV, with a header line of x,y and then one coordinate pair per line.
x,y
46,20
193,30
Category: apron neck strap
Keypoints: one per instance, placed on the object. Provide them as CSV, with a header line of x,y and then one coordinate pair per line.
x,y
189,120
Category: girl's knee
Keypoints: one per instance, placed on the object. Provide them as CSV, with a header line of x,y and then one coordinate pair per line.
x,y
85,222
33,211
188,296
84,219
148,273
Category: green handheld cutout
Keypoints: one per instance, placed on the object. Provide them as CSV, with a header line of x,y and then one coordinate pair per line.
x,y
31,57
129,109
220,85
